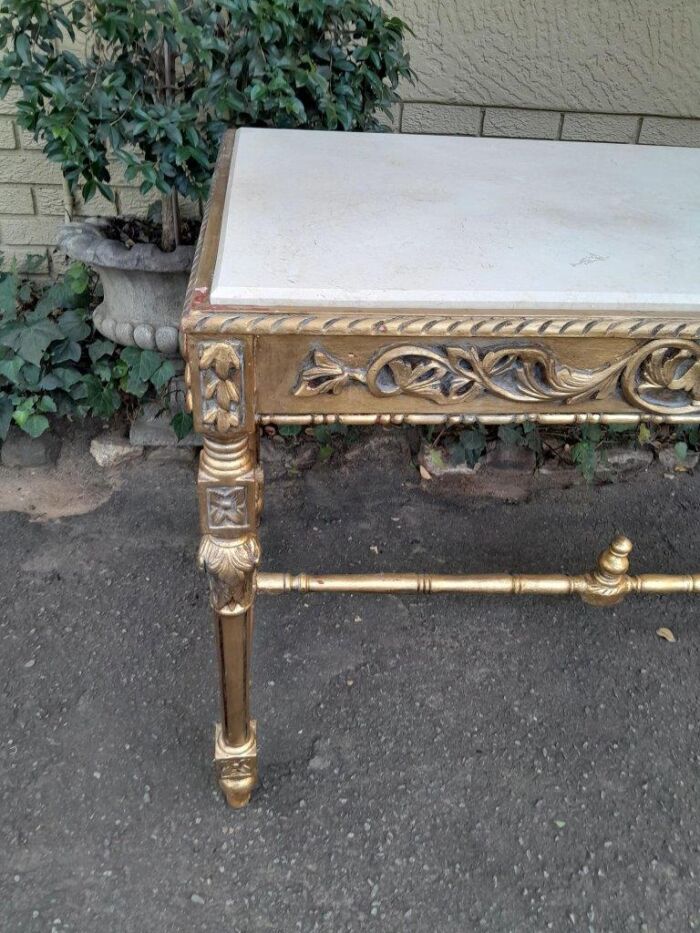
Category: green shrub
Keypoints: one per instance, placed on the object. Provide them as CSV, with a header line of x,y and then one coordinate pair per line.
x,y
52,361
161,80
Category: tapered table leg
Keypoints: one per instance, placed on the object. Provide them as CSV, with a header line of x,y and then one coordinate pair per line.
x,y
228,483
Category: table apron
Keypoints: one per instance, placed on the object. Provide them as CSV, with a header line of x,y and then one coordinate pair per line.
x,y
557,379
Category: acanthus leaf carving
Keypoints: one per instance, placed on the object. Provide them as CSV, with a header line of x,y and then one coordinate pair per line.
x,y
230,564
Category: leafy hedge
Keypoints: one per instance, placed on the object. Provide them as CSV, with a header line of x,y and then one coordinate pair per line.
x,y
160,80
53,362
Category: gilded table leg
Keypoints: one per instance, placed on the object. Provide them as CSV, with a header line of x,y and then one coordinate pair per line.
x,y
229,485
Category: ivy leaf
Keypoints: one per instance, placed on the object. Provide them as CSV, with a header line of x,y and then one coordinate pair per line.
x,y
680,449
31,376
181,424
134,385
162,376
10,368
131,356
46,403
78,278
66,377
148,364
35,340
33,424
73,325
66,351
100,348
8,297
103,400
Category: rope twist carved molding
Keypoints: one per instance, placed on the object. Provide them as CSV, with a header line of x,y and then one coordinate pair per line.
x,y
458,324
660,376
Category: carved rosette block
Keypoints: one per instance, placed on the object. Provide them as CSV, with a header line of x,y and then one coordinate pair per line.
x,y
236,767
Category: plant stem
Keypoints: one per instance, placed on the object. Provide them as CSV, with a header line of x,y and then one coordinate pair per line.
x,y
170,206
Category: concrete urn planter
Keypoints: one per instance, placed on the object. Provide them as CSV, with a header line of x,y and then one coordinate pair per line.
x,y
144,288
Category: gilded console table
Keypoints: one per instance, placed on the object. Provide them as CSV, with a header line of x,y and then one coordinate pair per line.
x,y
381,279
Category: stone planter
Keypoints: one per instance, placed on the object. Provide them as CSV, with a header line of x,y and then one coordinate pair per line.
x,y
144,288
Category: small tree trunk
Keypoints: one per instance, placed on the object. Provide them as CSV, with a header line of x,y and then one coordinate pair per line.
x,y
170,206
170,215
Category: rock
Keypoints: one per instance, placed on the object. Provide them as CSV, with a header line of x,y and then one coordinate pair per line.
x,y
21,450
437,461
152,429
623,461
508,476
273,457
670,462
553,474
305,456
511,457
112,450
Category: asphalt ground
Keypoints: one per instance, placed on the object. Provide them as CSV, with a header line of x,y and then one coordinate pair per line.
x,y
427,763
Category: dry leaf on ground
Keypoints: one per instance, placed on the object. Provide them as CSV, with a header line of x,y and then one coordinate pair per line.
x,y
666,634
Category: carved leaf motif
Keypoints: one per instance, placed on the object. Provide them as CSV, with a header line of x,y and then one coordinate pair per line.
x,y
424,379
664,370
220,366
221,357
326,375
688,382
224,420
230,564
226,393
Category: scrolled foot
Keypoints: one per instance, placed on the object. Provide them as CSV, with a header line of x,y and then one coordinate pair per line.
x,y
236,768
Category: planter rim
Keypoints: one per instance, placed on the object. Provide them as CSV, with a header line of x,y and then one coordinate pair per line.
x,y
86,241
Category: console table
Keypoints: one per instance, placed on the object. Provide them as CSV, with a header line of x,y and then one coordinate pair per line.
x,y
386,279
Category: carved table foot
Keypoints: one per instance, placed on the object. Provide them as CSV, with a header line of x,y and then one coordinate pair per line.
x,y
236,768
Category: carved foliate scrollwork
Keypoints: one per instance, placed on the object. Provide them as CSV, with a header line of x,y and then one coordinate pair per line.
x,y
221,384
661,376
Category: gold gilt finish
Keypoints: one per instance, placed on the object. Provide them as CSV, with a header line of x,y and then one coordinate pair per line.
x,y
246,366
608,584
662,376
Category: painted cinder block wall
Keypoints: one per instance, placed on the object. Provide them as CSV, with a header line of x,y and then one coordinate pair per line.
x,y
624,71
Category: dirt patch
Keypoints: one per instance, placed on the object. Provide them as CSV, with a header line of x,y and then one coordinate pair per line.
x,y
74,486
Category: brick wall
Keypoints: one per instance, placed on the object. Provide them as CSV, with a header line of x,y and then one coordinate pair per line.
x,y
526,123
32,204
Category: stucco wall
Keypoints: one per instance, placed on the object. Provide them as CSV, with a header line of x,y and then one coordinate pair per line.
x,y
625,71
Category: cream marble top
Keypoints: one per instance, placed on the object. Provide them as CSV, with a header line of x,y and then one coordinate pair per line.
x,y
320,219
